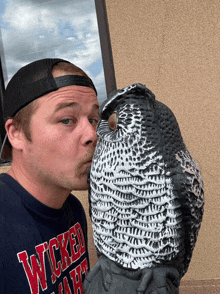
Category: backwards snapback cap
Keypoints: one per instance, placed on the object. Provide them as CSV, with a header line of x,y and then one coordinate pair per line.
x,y
35,80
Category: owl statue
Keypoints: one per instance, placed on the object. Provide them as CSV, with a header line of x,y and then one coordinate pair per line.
x,y
146,197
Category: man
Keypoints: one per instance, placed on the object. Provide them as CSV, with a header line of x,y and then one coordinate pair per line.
x,y
51,110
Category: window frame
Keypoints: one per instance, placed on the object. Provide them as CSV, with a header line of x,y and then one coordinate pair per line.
x,y
2,90
106,48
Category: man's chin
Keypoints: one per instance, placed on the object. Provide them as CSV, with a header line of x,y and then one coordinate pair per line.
x,y
79,181
80,187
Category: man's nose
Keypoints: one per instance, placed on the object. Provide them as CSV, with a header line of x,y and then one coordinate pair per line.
x,y
89,136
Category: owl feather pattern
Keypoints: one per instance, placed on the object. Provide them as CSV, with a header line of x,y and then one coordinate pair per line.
x,y
145,189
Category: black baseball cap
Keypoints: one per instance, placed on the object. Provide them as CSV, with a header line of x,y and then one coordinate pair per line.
x,y
35,80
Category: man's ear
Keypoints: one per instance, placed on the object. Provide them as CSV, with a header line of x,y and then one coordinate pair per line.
x,y
15,136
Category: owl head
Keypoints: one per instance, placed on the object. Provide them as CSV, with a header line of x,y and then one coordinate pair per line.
x,y
121,114
132,115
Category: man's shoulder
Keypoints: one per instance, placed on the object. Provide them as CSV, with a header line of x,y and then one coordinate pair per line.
x,y
76,207
2,182
73,199
6,192
75,204
10,203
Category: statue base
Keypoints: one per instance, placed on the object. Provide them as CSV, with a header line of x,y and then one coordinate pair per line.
x,y
108,278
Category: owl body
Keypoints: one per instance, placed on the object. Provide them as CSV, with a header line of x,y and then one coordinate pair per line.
x,y
145,189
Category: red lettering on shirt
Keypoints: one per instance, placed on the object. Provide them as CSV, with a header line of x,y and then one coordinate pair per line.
x,y
66,286
53,276
84,266
56,266
74,249
80,236
60,288
35,272
77,280
61,255
63,241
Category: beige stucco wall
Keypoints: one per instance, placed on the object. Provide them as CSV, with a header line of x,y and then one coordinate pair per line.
x,y
173,48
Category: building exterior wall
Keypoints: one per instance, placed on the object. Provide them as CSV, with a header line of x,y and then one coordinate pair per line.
x,y
173,48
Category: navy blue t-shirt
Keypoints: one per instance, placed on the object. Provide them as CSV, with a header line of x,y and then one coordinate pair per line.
x,y
42,250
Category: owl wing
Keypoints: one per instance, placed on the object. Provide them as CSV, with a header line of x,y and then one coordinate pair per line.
x,y
189,186
89,190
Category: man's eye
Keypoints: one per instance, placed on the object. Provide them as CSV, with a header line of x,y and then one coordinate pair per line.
x,y
66,121
93,121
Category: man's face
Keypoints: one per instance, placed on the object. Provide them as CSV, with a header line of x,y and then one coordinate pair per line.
x,y
63,133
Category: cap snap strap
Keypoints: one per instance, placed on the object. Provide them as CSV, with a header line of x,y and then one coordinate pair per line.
x,y
69,80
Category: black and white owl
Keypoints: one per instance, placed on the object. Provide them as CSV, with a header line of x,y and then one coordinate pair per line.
x,y
145,189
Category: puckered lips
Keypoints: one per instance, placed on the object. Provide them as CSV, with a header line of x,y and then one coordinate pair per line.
x,y
87,160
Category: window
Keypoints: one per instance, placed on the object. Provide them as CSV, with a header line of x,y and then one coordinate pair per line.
x,y
75,30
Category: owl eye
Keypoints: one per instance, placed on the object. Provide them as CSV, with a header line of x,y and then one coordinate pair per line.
x,y
112,121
